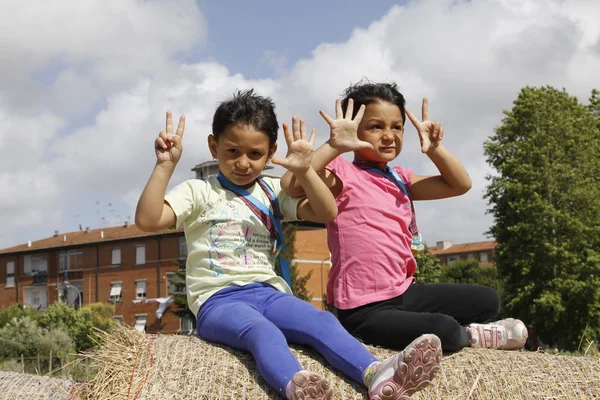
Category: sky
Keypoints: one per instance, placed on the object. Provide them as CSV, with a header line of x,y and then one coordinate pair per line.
x,y
84,87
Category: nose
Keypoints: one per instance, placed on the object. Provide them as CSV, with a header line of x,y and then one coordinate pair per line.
x,y
387,136
242,163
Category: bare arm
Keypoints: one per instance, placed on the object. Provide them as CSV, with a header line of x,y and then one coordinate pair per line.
x,y
453,179
319,205
343,138
152,213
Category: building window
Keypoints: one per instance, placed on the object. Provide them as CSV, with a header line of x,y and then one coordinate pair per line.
x,y
118,318
140,254
175,284
452,259
115,292
140,322
186,325
70,260
471,256
140,289
34,264
10,274
36,297
71,293
116,256
483,256
183,250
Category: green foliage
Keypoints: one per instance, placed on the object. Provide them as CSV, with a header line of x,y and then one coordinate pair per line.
x,y
80,328
429,269
100,315
56,341
16,311
181,309
545,200
21,335
471,272
298,282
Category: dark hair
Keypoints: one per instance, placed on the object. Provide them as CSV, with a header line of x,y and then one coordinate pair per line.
x,y
247,108
367,92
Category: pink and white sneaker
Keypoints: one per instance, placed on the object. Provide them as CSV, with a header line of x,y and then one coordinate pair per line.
x,y
404,374
306,385
506,334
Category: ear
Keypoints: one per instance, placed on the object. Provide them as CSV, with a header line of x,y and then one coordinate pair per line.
x,y
212,146
272,152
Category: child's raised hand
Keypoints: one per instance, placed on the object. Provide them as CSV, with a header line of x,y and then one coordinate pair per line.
x,y
300,150
167,145
430,132
344,129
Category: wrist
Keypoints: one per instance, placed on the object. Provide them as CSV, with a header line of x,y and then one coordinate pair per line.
x,y
333,149
165,167
434,148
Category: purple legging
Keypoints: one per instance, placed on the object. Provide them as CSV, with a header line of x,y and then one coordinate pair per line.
x,y
262,320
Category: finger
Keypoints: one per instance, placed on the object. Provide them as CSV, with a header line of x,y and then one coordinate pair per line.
x,y
425,110
359,114
165,139
425,146
169,124
326,117
295,128
349,109
175,141
339,114
159,143
287,134
435,130
302,130
365,145
280,161
413,119
180,126
313,137
441,133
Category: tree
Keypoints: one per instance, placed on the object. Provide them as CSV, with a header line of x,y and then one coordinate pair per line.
x,y
21,336
16,311
298,282
429,269
181,309
545,201
80,328
471,272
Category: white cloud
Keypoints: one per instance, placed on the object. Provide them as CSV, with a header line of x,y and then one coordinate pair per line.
x,y
470,58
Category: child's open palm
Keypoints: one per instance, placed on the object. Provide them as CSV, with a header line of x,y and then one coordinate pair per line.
x,y
430,132
300,150
167,145
344,129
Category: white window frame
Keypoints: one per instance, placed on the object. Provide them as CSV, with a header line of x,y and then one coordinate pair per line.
x,y
31,293
116,292
483,256
115,256
10,274
35,263
140,288
186,325
140,260
64,260
139,318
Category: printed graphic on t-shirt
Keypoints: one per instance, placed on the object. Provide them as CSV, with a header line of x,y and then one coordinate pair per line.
x,y
235,241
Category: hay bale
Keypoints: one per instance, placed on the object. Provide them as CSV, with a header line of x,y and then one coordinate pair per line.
x,y
134,365
15,385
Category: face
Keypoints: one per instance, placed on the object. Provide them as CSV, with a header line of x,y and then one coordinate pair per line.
x,y
242,152
381,126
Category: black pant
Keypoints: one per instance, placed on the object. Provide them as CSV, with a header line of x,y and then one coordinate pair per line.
x,y
441,309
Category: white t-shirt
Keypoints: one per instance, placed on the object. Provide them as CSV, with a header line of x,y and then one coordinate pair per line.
x,y
227,243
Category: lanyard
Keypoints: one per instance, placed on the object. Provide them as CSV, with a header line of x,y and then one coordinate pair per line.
x,y
393,176
272,222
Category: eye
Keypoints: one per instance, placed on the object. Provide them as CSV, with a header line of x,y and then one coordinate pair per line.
x,y
256,154
375,127
398,127
232,151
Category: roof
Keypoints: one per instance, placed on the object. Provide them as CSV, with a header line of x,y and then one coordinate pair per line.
x,y
92,236
466,248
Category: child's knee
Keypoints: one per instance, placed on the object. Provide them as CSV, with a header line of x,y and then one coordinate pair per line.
x,y
490,303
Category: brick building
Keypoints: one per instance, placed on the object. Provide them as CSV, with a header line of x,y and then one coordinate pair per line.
x,y
480,251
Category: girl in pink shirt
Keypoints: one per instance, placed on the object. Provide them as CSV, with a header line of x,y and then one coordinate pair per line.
x,y
371,241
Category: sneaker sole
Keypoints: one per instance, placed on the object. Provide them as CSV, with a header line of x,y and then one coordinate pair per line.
x,y
310,386
415,368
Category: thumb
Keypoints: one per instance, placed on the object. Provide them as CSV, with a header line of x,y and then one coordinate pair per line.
x,y
279,161
365,145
